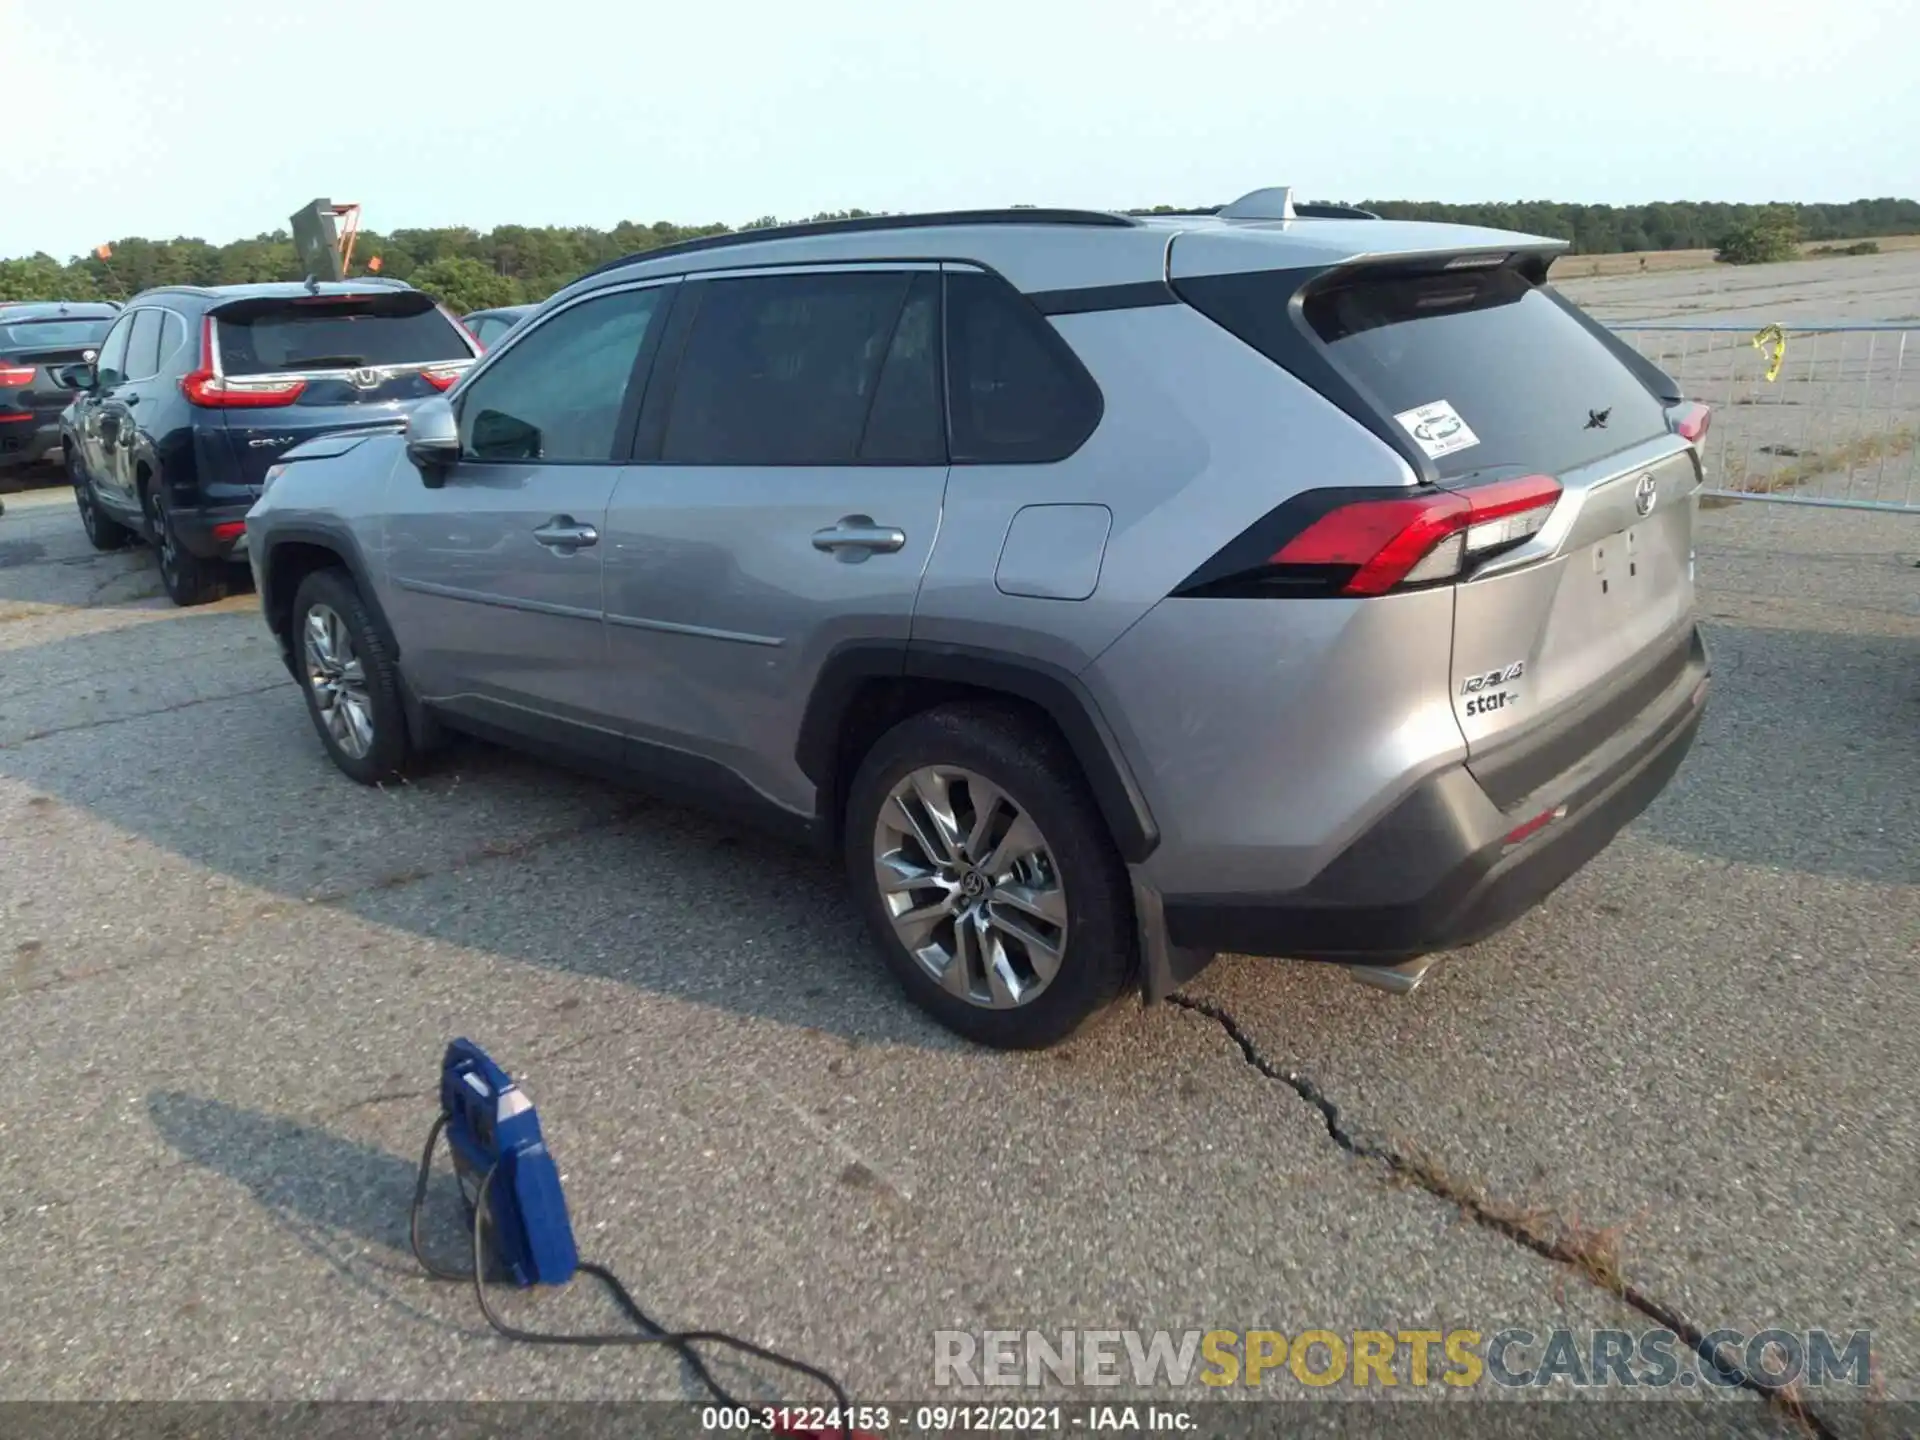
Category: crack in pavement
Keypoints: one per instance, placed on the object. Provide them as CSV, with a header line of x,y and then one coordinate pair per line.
x,y
1569,1248
34,735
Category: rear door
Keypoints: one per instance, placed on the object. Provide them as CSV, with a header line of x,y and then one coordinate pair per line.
x,y
793,470
1493,378
287,368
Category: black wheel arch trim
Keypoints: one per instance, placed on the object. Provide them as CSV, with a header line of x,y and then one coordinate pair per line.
x,y
340,540
1054,690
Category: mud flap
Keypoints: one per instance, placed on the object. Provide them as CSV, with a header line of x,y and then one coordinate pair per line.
x,y
1164,966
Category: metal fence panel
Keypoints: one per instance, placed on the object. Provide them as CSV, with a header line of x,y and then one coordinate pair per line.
x,y
1802,415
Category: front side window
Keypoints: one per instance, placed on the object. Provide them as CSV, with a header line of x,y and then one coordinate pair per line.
x,y
557,394
787,370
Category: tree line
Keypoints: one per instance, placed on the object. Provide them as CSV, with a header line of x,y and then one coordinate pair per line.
x,y
471,269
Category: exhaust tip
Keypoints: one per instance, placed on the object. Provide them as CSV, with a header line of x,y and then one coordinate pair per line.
x,y
1401,979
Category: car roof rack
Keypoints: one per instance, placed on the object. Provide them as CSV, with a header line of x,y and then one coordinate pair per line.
x,y
1013,215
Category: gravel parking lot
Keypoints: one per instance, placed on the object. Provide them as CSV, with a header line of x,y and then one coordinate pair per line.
x,y
1682,1087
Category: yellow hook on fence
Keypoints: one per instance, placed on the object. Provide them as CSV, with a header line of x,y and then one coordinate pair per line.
x,y
1776,337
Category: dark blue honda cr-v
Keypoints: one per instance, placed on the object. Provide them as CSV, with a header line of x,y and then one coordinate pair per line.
x,y
198,389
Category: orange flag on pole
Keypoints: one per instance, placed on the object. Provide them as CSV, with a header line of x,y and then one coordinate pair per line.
x,y
103,251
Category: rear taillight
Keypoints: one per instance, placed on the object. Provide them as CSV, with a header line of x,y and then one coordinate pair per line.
x,y
14,376
1690,422
441,377
1330,542
219,392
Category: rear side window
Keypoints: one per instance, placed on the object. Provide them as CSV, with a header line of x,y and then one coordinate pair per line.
x,y
329,334
1532,387
143,350
907,423
558,392
173,334
1015,391
112,364
786,369
53,335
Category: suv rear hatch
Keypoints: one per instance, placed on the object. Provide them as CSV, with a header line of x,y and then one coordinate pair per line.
x,y
30,352
1557,497
285,369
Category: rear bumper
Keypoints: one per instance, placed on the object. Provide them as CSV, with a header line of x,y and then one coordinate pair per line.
x,y
195,530
1441,870
25,443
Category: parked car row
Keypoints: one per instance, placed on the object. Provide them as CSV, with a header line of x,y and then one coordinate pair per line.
x,y
1106,592
37,341
168,430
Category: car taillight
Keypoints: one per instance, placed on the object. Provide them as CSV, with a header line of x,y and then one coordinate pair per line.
x,y
441,377
1690,422
13,376
220,392
1333,542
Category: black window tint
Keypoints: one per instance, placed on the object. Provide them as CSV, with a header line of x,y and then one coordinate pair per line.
x,y
1534,387
336,333
53,335
557,394
143,350
112,364
907,424
1015,391
173,334
782,369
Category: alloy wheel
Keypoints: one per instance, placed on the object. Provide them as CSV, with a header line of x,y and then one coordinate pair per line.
x,y
338,681
971,886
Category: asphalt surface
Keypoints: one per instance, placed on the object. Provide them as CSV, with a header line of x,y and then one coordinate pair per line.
x,y
227,973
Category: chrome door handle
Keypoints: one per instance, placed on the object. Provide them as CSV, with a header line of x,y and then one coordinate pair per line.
x,y
566,534
857,533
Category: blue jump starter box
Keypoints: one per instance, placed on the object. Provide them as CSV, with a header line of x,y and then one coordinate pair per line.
x,y
493,1127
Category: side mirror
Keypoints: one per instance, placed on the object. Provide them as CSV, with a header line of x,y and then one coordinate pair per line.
x,y
433,441
80,376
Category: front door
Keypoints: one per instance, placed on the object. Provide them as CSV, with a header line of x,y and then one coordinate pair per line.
x,y
497,572
96,449
786,496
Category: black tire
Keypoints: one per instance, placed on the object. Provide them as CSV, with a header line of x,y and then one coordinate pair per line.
x,y
103,532
390,753
1038,774
189,580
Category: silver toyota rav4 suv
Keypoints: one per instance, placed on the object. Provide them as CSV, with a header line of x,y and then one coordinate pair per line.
x,y
1109,592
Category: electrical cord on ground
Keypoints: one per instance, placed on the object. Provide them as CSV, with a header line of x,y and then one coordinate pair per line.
x,y
648,1331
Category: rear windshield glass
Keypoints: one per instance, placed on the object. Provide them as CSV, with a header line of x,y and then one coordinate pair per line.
x,y
52,334
1529,384
301,336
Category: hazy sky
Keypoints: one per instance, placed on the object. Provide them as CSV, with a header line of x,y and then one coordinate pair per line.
x,y
218,120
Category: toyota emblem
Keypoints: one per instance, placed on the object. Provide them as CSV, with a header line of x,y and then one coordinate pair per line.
x,y
1644,493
